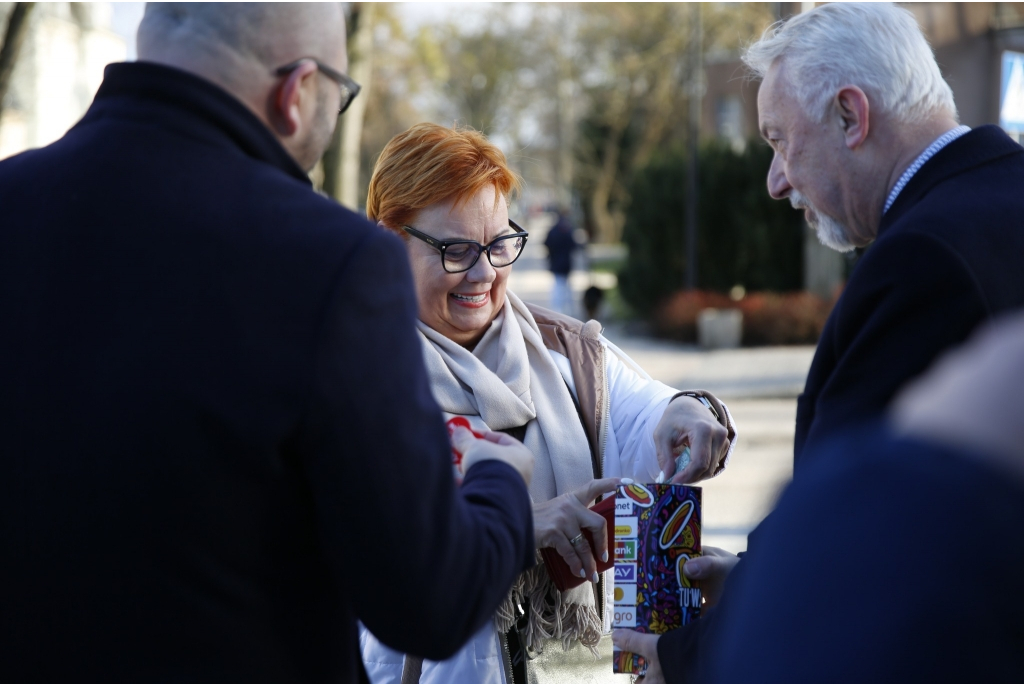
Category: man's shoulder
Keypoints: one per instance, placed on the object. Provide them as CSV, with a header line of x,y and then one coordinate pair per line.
x,y
192,193
277,198
965,201
299,222
965,189
968,222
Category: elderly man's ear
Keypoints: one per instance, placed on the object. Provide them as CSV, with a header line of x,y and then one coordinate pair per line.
x,y
851,105
294,93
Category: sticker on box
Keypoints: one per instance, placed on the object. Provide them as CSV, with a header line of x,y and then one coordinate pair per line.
x,y
625,526
625,550
625,573
638,493
625,595
624,617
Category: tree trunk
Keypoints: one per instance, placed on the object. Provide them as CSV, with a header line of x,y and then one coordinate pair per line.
x,y
341,160
352,121
608,227
14,36
564,85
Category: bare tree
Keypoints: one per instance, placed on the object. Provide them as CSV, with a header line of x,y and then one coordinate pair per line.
x,y
581,95
14,36
480,78
341,161
641,62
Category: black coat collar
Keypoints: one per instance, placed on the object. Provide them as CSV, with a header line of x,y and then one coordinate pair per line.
x,y
167,96
979,146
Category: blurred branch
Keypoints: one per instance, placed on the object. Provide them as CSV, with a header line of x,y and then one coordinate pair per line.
x,y
14,36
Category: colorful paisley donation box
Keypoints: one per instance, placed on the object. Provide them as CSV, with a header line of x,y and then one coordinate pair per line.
x,y
657,528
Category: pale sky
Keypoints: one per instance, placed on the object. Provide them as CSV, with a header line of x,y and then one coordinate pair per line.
x,y
127,15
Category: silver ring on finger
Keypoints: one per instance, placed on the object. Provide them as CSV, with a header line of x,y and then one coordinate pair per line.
x,y
576,540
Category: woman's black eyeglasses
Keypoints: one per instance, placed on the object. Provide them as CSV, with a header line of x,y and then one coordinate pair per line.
x,y
349,88
462,255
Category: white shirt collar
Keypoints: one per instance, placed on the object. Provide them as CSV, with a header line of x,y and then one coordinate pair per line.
x,y
941,142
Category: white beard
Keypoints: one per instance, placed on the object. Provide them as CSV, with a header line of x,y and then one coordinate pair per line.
x,y
830,232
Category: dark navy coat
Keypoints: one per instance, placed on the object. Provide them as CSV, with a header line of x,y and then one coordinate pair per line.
x,y
561,244
948,257
218,447
887,561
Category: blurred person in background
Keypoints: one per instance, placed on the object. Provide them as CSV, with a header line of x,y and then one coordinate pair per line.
x,y
867,142
212,388
562,245
586,411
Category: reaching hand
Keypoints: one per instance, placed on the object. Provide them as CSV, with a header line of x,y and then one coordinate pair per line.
x,y
644,645
560,521
711,569
497,446
688,422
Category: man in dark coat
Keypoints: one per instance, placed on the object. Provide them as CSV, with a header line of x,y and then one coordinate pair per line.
x,y
219,447
898,553
875,156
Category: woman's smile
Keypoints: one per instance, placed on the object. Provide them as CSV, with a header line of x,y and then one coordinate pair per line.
x,y
471,300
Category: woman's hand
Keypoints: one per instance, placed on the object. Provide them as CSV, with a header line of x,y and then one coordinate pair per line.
x,y
688,422
558,522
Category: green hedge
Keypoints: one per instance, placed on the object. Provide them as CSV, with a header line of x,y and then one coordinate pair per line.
x,y
744,237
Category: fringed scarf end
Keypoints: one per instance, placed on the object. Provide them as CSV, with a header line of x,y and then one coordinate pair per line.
x,y
551,614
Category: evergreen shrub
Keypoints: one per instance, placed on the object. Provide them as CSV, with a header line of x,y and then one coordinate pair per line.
x,y
744,237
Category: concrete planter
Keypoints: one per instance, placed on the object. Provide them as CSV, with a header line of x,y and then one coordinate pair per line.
x,y
719,328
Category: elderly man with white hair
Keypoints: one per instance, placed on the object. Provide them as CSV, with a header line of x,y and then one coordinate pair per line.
x,y
220,447
867,143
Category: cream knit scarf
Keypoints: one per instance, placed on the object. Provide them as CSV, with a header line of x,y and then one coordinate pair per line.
x,y
509,380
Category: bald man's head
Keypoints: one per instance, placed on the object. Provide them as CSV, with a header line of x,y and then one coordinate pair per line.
x,y
239,46
267,33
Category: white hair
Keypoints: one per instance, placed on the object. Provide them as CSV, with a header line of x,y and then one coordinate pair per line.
x,y
877,47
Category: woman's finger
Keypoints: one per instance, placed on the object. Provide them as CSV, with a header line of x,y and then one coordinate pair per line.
x,y
585,554
722,452
589,492
664,445
568,552
598,527
704,451
700,455
719,449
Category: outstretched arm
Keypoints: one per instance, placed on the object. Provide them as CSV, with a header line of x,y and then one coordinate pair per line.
x,y
414,550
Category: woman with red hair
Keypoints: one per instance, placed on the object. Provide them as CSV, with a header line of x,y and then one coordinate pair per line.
x,y
590,416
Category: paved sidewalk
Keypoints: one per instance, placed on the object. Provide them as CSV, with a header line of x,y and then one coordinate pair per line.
x,y
759,385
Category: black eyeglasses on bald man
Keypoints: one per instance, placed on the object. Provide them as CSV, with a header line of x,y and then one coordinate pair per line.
x,y
349,88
